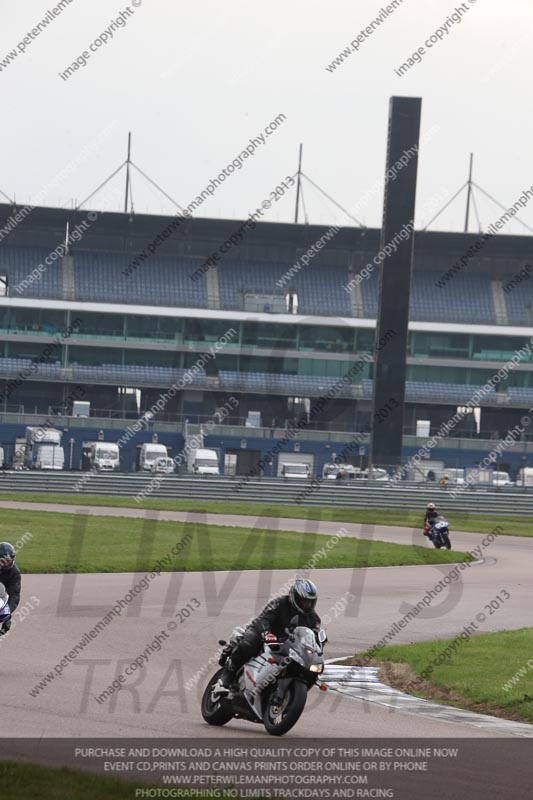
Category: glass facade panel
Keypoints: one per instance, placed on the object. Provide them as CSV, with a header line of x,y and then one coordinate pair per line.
x,y
288,366
100,325
208,330
4,318
36,320
265,334
318,337
153,358
161,328
94,356
323,368
498,348
311,340
33,350
440,345
365,339
227,361
441,374
523,379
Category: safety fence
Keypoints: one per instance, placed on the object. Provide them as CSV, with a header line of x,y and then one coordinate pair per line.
x,y
304,493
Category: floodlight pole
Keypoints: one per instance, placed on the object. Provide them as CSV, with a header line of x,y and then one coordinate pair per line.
x,y
469,192
128,161
298,185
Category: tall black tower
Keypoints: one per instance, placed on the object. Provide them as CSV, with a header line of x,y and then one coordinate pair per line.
x,y
395,281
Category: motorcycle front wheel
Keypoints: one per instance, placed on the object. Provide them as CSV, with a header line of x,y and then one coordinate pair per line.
x,y
447,542
280,718
215,713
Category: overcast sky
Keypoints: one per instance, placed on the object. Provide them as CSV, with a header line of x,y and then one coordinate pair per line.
x,y
194,82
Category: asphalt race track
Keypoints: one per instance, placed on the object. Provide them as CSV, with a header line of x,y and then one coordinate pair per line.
x,y
154,701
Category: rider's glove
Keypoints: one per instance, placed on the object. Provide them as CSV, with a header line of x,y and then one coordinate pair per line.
x,y
6,626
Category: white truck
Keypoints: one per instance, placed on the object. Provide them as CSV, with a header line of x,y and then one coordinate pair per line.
x,y
150,452
43,448
295,470
500,478
376,474
203,462
525,476
105,456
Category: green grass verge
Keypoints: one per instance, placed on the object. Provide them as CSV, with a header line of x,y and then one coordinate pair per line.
x,y
473,523
82,543
30,782
477,674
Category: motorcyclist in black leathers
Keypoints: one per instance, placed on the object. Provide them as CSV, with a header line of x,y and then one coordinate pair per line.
x,y
429,517
271,624
10,577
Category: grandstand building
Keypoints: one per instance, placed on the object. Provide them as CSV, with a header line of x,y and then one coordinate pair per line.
x,y
119,308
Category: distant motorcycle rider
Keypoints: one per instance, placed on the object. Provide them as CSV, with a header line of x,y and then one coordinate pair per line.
x,y
271,624
11,578
429,517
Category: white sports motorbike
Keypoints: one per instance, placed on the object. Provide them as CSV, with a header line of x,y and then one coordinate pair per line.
x,y
272,687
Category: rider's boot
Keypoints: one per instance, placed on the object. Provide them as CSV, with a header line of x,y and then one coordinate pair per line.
x,y
226,678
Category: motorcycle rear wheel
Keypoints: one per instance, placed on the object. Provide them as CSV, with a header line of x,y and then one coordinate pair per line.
x,y
279,720
215,713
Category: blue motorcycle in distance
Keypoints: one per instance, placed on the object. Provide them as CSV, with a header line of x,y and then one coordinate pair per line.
x,y
439,533
5,611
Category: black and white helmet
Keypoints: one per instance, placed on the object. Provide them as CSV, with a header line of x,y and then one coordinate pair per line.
x,y
303,596
7,555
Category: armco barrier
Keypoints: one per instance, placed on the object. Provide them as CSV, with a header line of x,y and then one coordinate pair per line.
x,y
352,494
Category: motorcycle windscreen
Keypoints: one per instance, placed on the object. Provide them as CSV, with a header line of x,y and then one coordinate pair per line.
x,y
306,638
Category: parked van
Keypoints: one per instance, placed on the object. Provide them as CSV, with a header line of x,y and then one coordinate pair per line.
x,y
378,474
501,479
163,465
150,453
203,462
525,476
43,448
105,456
49,457
295,471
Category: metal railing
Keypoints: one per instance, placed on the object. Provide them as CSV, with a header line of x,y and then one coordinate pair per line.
x,y
21,414
516,501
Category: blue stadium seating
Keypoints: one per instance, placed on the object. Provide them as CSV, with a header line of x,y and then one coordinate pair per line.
x,y
158,281
466,298
12,367
162,280
141,375
521,394
430,391
137,375
19,262
319,290
519,303
264,382
237,278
